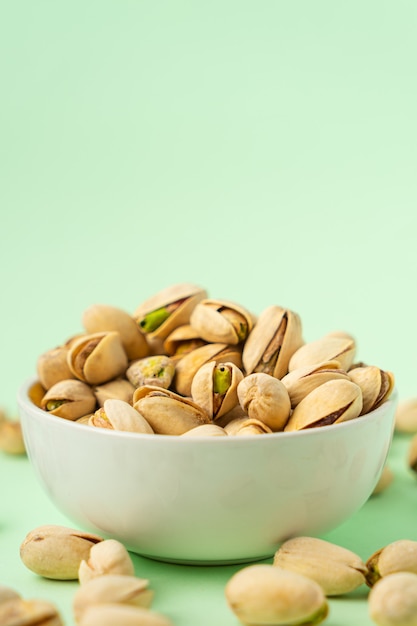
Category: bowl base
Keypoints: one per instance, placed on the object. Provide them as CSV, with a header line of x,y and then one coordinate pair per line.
x,y
205,562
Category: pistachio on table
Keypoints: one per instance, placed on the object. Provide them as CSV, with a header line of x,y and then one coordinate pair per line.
x,y
214,388
7,593
412,454
11,436
20,612
393,600
121,615
107,557
406,416
384,481
399,556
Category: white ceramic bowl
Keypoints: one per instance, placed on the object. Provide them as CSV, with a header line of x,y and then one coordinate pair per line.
x,y
206,499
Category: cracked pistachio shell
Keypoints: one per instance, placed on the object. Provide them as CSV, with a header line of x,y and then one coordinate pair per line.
x,y
11,437
265,398
206,430
157,370
182,340
167,412
412,454
302,380
386,478
99,318
52,366
336,569
265,594
406,416
119,388
187,367
333,402
399,556
221,321
7,593
36,393
159,315
107,557
376,385
121,615
19,612
119,415
113,588
214,387
56,551
69,399
243,426
339,347
393,600
275,337
98,358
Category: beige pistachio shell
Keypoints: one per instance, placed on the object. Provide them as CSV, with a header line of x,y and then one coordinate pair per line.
x,y
159,315
121,615
336,569
98,358
56,552
120,415
206,430
243,426
214,387
11,437
7,593
275,337
376,385
235,413
398,556
107,557
406,416
384,481
221,321
265,594
187,367
331,347
99,318
167,412
113,588
265,398
36,393
119,388
20,612
52,366
333,402
69,399
302,380
157,370
412,454
393,600
182,340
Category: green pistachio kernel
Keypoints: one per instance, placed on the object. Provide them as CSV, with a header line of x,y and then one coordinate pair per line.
x,y
222,378
154,319
54,404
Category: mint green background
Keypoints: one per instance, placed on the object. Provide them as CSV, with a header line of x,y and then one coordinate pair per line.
x,y
265,150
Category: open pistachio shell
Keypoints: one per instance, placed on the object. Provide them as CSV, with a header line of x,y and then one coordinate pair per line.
x,y
398,556
97,358
304,379
265,398
406,416
275,337
214,387
159,315
119,388
375,383
69,399
333,402
119,415
167,412
52,366
182,340
102,318
339,347
157,370
221,321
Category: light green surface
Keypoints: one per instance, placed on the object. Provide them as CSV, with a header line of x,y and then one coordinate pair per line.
x,y
266,150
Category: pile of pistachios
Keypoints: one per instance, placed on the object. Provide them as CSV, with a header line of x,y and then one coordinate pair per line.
x,y
187,364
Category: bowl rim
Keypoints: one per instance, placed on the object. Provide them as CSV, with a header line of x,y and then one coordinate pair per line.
x,y
25,403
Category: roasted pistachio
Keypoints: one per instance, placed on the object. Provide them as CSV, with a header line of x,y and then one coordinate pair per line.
x,y
221,321
56,551
52,366
214,387
107,557
376,385
119,388
157,370
393,600
399,556
336,569
69,399
384,481
11,437
333,402
98,357
302,380
119,415
243,426
406,416
275,337
206,430
338,346
7,593
265,398
182,340
265,594
121,615
20,612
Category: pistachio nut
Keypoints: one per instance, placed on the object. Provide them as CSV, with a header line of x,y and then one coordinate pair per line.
x,y
107,557
55,551
7,593
221,321
157,370
243,426
121,615
375,383
11,437
119,388
69,399
167,412
333,402
182,340
236,412
52,366
159,315
19,612
36,393
299,382
187,367
384,481
336,569
113,588
412,454
399,556
265,398
275,337
99,318
97,358
119,415
214,387
339,347
206,430
265,594
393,600
406,416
